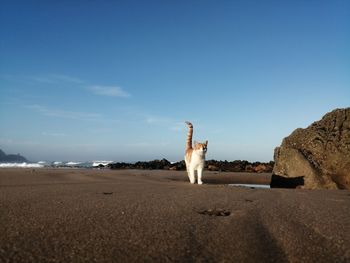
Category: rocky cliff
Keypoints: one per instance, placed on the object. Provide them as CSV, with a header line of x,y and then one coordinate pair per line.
x,y
11,158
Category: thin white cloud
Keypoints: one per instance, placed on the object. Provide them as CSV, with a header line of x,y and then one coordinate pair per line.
x,y
7,141
111,91
146,144
157,120
67,78
139,144
65,114
42,78
60,79
173,125
56,78
178,127
54,134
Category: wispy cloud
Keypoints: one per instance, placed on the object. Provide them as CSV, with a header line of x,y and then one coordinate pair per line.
x,y
157,120
43,78
139,144
60,79
54,134
111,91
56,78
146,144
178,127
7,141
173,125
65,114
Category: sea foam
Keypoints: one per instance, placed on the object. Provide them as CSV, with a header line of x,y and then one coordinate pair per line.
x,y
72,163
21,165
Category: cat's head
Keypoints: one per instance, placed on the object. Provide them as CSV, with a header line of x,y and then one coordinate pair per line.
x,y
201,148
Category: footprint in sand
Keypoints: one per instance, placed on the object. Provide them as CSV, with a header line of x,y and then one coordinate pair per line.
x,y
214,212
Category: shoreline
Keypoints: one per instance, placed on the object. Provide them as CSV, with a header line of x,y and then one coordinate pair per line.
x,y
158,164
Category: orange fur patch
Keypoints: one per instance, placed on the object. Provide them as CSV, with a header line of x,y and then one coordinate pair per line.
x,y
189,155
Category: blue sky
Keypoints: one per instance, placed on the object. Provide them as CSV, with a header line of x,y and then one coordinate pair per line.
x,y
115,80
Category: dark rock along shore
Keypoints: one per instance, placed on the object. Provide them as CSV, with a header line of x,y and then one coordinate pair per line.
x,y
211,165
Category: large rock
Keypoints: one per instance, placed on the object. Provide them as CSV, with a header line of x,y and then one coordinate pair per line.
x,y
320,153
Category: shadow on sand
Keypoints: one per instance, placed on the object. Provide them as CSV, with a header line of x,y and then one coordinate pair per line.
x,y
278,181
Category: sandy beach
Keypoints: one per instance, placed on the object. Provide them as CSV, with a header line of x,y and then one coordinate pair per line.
x,y
77,215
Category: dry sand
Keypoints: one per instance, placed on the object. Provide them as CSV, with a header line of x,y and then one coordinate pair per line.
x,y
71,215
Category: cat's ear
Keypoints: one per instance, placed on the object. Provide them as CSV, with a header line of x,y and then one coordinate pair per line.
x,y
206,143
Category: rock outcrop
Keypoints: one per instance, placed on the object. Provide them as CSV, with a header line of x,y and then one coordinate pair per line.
x,y
320,153
12,158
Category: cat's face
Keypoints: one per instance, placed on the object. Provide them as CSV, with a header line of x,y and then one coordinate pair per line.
x,y
201,147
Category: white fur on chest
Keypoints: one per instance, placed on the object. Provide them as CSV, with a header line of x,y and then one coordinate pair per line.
x,y
197,161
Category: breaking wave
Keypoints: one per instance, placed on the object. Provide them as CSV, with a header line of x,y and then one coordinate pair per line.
x,y
21,165
73,163
104,163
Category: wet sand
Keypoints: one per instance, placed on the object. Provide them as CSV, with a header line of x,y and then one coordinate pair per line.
x,y
77,215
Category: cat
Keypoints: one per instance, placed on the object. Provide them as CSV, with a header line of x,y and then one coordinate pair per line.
x,y
195,156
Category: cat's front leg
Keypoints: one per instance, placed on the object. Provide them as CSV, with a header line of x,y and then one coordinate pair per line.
x,y
199,174
192,176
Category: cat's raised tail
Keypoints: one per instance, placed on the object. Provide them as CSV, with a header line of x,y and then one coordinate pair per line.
x,y
189,135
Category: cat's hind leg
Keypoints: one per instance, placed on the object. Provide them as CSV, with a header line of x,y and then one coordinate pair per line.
x,y
187,170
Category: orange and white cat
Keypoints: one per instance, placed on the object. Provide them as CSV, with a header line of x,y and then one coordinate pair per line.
x,y
194,157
